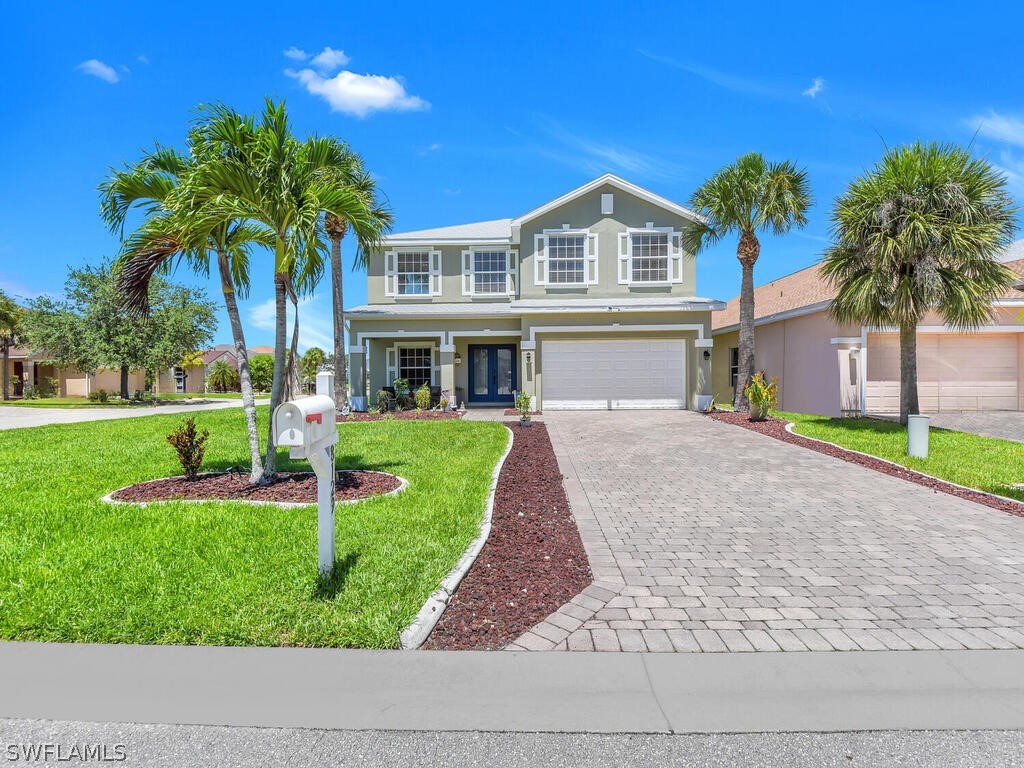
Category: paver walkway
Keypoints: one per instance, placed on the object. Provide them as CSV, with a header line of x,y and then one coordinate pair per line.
x,y
707,537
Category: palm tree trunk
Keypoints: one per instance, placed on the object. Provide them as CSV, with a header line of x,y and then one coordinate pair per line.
x,y
124,382
747,252
338,305
908,371
244,377
277,387
7,372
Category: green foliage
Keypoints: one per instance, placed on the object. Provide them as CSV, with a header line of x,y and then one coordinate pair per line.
x,y
261,369
383,401
763,396
401,386
99,396
223,377
73,569
190,445
423,397
524,401
312,361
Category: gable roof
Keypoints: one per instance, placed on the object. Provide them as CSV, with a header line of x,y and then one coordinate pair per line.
x,y
807,290
506,230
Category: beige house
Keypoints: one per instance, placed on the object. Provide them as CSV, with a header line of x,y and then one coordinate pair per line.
x,y
835,370
588,301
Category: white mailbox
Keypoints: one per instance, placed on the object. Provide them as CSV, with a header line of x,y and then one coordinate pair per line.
x,y
306,424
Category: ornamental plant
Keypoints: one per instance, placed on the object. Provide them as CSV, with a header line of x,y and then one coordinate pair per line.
x,y
423,397
190,445
523,403
763,396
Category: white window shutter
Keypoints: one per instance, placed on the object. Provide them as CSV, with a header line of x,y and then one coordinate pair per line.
x,y
512,279
592,257
467,273
623,264
675,257
390,273
435,273
540,260
392,359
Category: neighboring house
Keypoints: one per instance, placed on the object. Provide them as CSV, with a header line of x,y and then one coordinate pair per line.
x,y
834,370
586,302
34,370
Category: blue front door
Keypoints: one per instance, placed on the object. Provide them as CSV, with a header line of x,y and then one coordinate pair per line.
x,y
492,373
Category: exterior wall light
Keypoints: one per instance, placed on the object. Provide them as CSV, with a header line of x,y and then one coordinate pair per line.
x,y
707,354
529,357
458,358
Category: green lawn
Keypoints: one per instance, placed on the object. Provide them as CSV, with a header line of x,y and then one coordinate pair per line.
x,y
978,462
75,569
82,402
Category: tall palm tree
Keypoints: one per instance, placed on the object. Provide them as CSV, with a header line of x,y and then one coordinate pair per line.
x,y
11,316
172,230
920,232
378,222
284,185
748,196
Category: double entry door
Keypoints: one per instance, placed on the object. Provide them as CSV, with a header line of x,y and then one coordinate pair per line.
x,y
492,373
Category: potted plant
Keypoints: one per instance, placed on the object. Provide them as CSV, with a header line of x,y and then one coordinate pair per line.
x,y
763,396
523,403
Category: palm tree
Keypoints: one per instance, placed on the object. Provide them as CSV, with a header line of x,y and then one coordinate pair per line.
x,y
748,196
223,377
920,232
378,222
172,230
284,185
11,316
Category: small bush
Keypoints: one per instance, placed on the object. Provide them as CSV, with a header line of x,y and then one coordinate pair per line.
x,y
423,397
523,402
99,396
443,405
383,401
190,445
763,396
404,402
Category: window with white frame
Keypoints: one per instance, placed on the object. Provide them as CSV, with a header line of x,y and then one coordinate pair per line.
x,y
734,366
416,365
650,256
412,272
566,258
489,272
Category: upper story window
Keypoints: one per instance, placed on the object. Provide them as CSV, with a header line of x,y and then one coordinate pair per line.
x,y
412,272
489,272
650,256
566,258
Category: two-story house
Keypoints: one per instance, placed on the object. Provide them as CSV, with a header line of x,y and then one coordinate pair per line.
x,y
586,302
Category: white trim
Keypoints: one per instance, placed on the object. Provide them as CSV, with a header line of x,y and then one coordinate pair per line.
x,y
863,371
528,345
391,273
357,350
439,335
469,271
950,329
541,259
485,332
447,348
704,343
699,328
615,181
673,255
846,340
435,378
810,309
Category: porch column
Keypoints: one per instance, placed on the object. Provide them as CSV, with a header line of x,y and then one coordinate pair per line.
x,y
29,373
527,369
447,362
357,377
702,348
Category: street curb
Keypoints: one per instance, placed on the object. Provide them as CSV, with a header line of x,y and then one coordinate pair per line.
x,y
419,630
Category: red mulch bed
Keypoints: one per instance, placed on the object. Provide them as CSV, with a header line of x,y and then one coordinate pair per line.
x,y
294,487
403,415
533,561
514,412
776,428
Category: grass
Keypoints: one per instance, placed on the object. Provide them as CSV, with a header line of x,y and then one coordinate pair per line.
x,y
116,402
73,569
984,463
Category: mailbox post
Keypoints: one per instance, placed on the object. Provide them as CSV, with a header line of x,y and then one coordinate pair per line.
x,y
309,429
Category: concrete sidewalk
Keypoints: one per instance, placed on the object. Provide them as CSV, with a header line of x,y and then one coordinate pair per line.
x,y
473,691
16,417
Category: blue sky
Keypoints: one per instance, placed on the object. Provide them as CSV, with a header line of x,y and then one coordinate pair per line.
x,y
478,111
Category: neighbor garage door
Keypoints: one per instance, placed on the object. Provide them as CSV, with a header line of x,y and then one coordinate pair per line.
x,y
603,374
956,372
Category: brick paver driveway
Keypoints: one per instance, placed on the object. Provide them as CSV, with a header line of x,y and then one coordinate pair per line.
x,y
708,537
1009,425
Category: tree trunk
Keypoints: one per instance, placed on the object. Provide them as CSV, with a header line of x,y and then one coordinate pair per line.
x,y
277,387
338,305
124,382
908,372
244,377
7,372
293,378
747,252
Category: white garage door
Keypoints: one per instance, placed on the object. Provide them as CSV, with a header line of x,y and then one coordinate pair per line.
x,y
956,372
605,374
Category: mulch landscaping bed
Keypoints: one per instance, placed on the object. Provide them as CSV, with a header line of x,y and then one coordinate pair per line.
x,y
776,428
292,487
404,415
533,561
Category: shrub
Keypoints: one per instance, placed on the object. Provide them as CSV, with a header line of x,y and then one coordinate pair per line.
x,y
383,401
423,397
523,402
99,396
190,445
30,392
401,386
404,401
443,405
763,396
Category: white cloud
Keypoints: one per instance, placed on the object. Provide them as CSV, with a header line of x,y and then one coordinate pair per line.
x,y
359,95
429,149
142,58
296,54
316,327
714,76
1008,129
329,60
599,157
97,68
817,86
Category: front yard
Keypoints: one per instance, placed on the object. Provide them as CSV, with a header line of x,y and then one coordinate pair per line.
x,y
984,463
73,569
117,402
